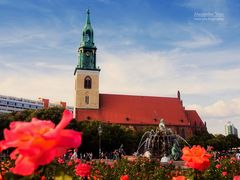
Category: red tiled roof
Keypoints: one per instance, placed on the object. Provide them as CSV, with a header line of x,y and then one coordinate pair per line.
x,y
194,118
128,109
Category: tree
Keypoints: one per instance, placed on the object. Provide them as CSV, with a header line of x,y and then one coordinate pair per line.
x,y
54,114
232,141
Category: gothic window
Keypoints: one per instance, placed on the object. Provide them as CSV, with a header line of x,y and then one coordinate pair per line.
x,y
87,83
86,99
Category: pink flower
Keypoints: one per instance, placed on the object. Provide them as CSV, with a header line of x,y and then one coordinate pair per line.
x,y
218,166
224,173
83,170
236,178
39,142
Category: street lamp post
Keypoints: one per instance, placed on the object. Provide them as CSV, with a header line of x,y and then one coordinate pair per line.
x,y
100,134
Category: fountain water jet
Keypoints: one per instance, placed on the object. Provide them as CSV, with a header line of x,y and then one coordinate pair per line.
x,y
161,143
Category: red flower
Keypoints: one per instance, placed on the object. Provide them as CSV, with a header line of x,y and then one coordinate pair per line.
x,y
236,178
218,166
60,160
83,170
77,160
39,142
179,178
196,157
69,163
43,178
224,173
124,177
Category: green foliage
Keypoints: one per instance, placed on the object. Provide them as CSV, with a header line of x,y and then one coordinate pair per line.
x,y
54,114
232,141
112,137
218,142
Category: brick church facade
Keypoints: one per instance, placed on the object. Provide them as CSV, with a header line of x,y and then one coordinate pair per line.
x,y
135,112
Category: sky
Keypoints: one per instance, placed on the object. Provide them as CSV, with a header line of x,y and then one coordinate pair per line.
x,y
144,47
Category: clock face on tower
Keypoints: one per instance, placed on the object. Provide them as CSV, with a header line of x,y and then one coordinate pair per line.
x,y
87,53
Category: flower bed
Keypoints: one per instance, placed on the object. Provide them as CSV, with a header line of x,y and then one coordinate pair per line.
x,y
222,168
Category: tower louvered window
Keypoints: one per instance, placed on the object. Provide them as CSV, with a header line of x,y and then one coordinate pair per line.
x,y
86,99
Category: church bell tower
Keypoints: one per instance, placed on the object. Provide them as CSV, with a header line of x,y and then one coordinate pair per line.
x,y
86,73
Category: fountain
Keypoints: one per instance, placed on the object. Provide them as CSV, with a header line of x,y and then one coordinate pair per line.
x,y
161,143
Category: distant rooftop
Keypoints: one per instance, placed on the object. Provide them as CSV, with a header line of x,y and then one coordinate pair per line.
x,y
10,104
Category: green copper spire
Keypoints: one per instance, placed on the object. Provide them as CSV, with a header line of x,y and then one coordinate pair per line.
x,y
87,49
87,36
88,17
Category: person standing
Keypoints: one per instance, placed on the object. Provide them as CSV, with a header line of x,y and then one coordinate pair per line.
x,y
74,155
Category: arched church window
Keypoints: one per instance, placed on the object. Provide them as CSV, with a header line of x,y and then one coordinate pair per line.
x,y
87,83
86,99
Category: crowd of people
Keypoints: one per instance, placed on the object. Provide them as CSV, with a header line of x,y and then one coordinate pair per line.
x,y
88,156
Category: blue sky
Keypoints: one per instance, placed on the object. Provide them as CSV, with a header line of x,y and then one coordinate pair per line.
x,y
154,47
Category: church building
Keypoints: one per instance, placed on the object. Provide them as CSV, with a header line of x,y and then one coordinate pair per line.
x,y
132,111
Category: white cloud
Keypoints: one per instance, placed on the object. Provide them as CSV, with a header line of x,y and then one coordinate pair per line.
x,y
53,66
58,87
34,80
166,72
133,73
199,41
220,109
37,39
219,113
197,37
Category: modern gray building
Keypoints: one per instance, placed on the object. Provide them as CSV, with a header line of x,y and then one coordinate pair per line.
x,y
230,129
